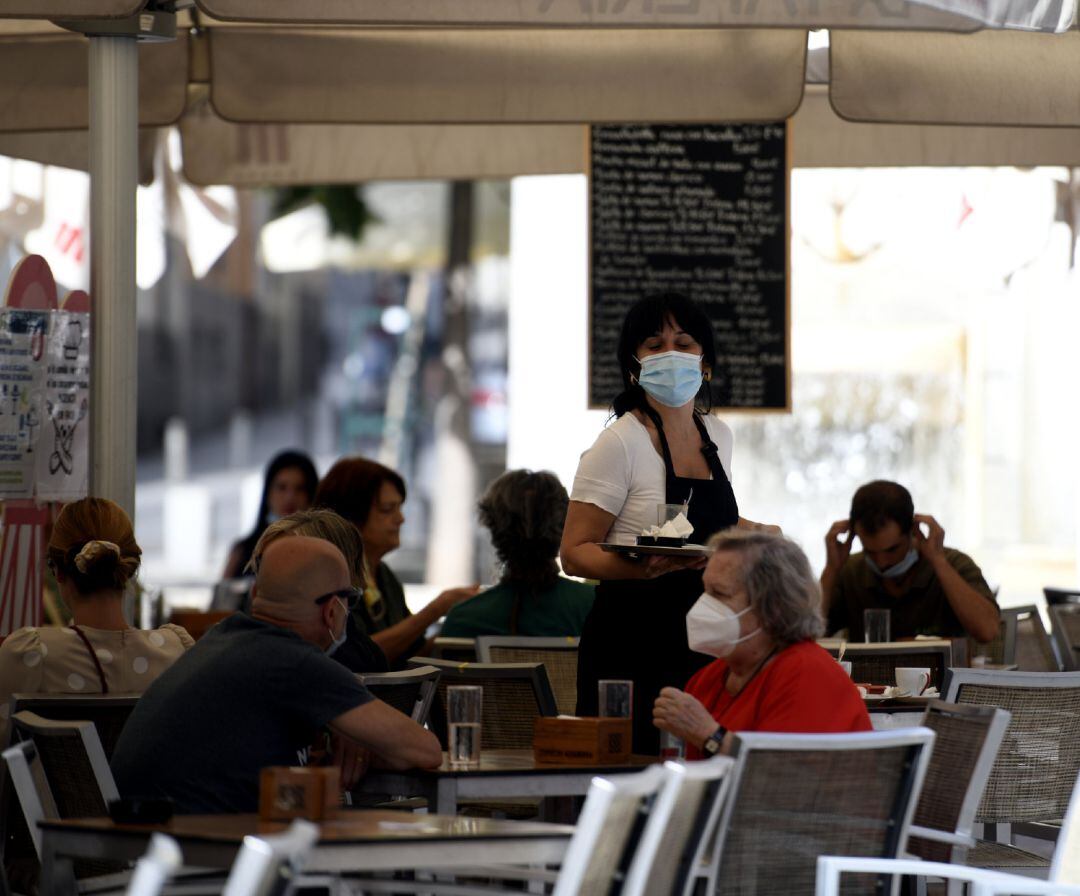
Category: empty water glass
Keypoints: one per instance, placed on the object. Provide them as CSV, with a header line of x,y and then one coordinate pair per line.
x,y
616,698
877,626
464,708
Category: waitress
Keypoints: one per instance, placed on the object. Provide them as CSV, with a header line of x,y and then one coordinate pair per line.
x,y
663,448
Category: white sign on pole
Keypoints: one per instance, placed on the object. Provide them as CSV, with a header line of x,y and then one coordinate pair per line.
x,y
22,345
63,446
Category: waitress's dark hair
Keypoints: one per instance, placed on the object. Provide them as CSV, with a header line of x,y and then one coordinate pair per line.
x,y
286,460
524,512
646,318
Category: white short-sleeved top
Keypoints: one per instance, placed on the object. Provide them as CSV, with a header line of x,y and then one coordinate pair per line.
x,y
54,660
624,474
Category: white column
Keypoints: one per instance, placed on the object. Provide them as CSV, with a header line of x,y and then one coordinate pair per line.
x,y
114,70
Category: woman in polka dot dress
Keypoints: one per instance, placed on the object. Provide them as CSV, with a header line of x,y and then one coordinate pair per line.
x,y
94,556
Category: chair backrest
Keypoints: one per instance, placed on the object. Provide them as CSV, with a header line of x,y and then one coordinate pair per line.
x,y
1065,627
965,747
1034,651
682,813
157,865
410,691
559,656
514,695
196,622
461,650
1065,865
1039,757
1061,596
793,797
108,712
268,866
74,762
877,663
1001,651
231,595
606,833
32,789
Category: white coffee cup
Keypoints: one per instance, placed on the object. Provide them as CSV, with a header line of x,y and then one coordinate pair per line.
x,y
846,666
914,681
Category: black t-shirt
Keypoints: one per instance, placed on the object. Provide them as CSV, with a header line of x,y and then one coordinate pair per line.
x,y
249,694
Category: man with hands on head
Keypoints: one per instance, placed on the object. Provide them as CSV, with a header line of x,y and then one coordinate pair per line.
x,y
930,589
258,690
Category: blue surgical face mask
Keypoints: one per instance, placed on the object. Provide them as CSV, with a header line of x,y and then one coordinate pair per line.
x,y
897,569
337,640
671,378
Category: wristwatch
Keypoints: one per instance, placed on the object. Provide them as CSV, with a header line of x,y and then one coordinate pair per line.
x,y
714,742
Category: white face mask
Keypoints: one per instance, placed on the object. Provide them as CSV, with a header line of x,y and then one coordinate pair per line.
x,y
337,640
713,628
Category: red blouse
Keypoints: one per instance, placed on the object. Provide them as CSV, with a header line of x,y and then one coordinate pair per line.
x,y
802,690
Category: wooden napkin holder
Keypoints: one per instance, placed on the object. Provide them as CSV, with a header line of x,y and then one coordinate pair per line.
x,y
286,793
571,740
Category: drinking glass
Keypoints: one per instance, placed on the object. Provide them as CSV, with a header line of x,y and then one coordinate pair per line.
x,y
877,625
464,707
671,746
668,512
616,698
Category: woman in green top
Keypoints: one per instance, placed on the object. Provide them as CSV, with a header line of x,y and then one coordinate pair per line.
x,y
524,512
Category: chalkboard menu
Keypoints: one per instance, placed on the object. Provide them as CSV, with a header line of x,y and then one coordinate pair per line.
x,y
701,210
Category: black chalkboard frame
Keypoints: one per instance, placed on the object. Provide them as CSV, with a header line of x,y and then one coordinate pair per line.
x,y
784,407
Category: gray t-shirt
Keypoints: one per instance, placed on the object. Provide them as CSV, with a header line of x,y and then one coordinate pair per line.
x,y
248,695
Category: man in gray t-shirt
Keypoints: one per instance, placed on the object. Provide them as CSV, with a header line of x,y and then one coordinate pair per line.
x,y
257,691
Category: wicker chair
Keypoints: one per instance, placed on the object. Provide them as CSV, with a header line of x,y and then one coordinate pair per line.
x,y
514,695
59,770
877,663
1034,651
1064,874
689,799
967,743
793,797
1002,650
1065,627
108,712
268,866
559,656
410,691
461,650
1039,758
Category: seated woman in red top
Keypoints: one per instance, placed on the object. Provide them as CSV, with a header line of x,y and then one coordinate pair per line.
x,y
759,615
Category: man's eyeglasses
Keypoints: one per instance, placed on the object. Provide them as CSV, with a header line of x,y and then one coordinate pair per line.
x,y
351,597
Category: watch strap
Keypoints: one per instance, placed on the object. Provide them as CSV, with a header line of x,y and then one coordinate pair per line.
x,y
715,741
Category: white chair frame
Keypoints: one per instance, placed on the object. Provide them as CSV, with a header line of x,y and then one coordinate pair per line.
x,y
747,742
1064,877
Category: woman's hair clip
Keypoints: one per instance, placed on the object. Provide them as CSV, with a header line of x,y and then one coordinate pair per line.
x,y
91,551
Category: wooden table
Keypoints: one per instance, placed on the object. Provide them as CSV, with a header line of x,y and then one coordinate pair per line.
x,y
360,840
502,774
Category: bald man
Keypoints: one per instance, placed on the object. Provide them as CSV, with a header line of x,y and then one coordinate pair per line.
x,y
259,690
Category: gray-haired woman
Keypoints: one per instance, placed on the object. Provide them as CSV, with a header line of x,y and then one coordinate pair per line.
x,y
524,512
759,616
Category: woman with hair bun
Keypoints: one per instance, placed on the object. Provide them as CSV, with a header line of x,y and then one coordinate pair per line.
x,y
94,555
524,511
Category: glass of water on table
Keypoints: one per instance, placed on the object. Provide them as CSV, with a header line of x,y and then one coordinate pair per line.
x,y
464,714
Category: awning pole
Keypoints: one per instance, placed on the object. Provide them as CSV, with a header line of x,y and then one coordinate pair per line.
x,y
114,153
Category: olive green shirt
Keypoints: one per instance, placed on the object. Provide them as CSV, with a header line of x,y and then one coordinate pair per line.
x,y
923,609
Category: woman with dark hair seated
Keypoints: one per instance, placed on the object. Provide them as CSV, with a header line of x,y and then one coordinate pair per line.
x,y
664,447
289,486
524,512
370,497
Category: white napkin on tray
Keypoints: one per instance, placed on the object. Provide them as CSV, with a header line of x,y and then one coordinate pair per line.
x,y
677,528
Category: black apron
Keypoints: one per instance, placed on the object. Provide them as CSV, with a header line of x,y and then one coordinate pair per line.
x,y
637,627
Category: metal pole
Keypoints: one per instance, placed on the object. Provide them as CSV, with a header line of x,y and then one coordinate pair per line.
x,y
114,79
